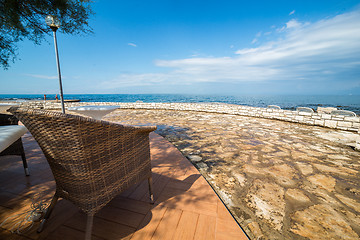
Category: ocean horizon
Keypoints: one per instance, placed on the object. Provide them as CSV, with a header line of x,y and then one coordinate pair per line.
x,y
288,102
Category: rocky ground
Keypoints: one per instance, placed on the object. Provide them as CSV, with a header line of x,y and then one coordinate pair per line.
x,y
280,180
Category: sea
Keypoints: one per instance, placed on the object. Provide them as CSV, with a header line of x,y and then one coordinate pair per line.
x,y
288,102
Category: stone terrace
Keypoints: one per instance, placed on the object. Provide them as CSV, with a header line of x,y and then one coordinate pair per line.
x,y
280,180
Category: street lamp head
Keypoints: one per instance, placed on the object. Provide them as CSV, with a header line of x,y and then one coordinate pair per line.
x,y
53,22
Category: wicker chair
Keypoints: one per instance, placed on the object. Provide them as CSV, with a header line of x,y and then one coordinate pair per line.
x,y
17,147
92,161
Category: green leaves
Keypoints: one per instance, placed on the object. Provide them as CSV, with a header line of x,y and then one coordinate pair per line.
x,y
23,19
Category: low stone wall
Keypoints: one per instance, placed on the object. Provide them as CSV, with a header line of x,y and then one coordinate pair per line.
x,y
351,124
319,119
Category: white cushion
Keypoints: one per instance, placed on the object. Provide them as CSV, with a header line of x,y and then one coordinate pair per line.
x,y
9,134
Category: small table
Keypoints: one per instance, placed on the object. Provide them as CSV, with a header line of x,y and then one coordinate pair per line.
x,y
96,112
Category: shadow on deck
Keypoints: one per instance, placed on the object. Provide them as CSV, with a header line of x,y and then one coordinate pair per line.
x,y
185,206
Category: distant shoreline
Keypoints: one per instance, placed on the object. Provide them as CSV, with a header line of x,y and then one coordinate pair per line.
x,y
286,102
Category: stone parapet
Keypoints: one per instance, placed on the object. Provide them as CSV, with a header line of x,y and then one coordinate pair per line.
x,y
319,119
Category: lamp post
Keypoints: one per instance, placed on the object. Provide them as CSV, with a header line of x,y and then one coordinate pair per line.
x,y
54,23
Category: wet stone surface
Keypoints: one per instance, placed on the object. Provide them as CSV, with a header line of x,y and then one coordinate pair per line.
x,y
280,180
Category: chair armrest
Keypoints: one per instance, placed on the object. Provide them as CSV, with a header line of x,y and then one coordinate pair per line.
x,y
145,128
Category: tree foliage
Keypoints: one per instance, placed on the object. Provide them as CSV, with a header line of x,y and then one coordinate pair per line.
x,y
25,19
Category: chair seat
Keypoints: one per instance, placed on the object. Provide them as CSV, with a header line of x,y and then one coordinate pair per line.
x,y
9,134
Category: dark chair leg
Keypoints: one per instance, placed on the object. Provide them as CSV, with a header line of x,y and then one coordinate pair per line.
x,y
89,225
48,213
151,190
26,168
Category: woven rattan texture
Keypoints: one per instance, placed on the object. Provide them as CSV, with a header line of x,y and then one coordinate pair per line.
x,y
92,161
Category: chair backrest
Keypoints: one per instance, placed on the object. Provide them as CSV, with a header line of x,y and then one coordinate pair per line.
x,y
91,160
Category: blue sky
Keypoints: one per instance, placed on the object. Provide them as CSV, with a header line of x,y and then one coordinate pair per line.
x,y
200,47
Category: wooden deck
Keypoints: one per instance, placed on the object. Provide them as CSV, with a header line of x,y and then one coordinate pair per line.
x,y
185,206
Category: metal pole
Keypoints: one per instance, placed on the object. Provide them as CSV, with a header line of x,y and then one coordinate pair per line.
x,y
58,67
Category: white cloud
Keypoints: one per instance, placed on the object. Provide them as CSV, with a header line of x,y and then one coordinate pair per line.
x,y
292,12
323,50
256,39
42,76
252,50
282,29
126,80
132,44
293,24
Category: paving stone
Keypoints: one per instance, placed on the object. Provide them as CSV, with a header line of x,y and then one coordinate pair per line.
x,y
349,202
322,222
322,181
202,166
305,169
268,201
297,196
194,158
255,229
